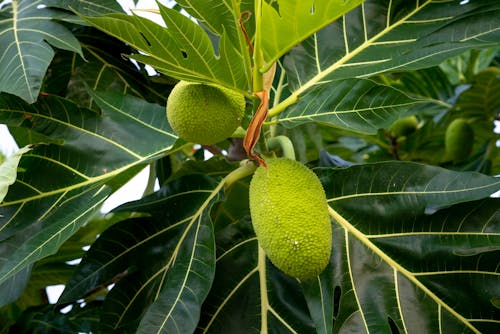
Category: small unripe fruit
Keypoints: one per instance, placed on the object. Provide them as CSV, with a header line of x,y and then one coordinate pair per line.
x,y
290,217
204,114
404,126
458,141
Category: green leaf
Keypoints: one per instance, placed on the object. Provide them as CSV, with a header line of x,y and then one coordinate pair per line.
x,y
379,37
420,264
27,32
87,7
396,189
183,50
356,104
167,262
220,17
40,213
8,171
12,288
295,20
103,69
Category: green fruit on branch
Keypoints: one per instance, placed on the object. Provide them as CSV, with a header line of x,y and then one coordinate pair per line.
x,y
404,126
290,217
458,141
204,114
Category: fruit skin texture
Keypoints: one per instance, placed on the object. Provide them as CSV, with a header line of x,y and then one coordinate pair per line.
x,y
458,141
204,114
404,126
290,217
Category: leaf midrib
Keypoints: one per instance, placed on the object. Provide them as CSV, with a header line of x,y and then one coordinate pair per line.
x,y
423,192
15,13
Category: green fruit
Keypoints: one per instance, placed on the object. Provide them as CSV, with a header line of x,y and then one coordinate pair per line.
x,y
458,141
204,114
404,126
290,217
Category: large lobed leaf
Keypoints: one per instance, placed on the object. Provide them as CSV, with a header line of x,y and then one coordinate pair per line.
x,y
28,32
377,37
287,23
182,50
360,105
77,152
398,263
166,261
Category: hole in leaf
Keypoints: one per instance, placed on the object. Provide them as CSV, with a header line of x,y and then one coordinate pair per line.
x,y
184,54
393,326
145,39
336,301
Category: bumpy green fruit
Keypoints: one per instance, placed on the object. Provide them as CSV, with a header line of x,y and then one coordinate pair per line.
x,y
458,141
404,126
290,217
204,114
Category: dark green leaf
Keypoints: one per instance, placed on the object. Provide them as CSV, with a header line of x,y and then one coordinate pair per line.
x,y
27,32
165,263
381,193
39,214
418,270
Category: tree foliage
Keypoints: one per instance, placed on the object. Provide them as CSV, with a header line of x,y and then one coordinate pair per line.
x,y
416,236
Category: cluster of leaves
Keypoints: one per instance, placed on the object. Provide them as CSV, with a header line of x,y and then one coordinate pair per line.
x,y
416,237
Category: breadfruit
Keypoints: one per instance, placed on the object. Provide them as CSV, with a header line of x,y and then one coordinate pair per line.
x,y
458,141
204,114
404,126
290,217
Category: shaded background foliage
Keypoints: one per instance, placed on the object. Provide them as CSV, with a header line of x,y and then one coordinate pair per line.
x,y
416,236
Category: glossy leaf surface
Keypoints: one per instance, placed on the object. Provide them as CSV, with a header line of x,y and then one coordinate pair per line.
x,y
164,265
78,150
28,35
182,50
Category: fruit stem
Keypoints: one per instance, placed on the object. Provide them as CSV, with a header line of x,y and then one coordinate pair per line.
x,y
285,144
246,168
